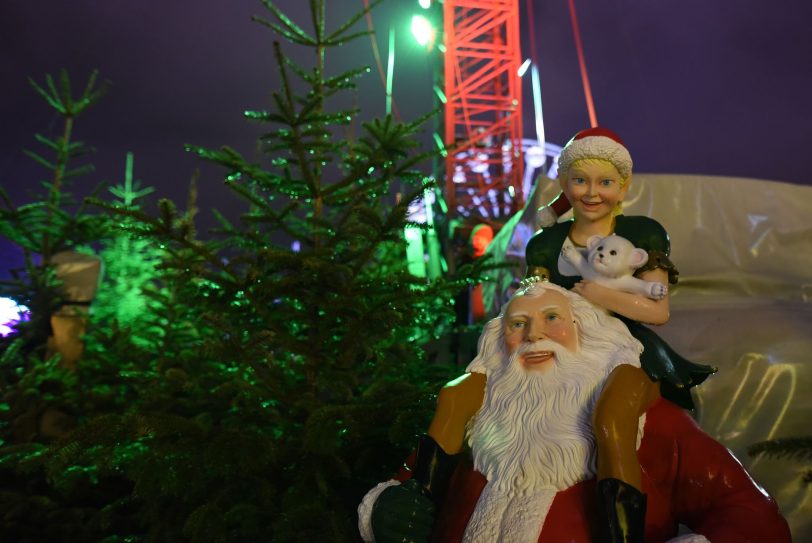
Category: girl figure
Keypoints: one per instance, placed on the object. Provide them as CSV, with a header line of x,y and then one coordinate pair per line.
x,y
594,172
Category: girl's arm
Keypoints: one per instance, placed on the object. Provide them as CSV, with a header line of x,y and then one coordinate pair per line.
x,y
633,306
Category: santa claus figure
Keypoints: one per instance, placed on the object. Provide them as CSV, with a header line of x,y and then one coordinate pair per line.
x,y
510,455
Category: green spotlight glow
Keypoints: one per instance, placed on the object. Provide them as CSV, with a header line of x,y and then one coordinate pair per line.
x,y
415,252
425,4
390,68
440,94
422,30
440,145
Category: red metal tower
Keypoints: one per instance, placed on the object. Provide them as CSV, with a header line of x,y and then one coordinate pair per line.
x,y
483,120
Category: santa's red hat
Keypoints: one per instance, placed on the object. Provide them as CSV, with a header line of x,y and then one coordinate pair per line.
x,y
594,142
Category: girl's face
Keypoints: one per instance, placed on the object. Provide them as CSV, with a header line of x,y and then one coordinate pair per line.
x,y
593,188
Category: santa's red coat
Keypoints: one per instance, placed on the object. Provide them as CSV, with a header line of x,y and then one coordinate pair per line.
x,y
688,478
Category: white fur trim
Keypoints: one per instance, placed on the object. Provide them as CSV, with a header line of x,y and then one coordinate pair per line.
x,y
596,147
689,538
641,429
476,366
365,509
508,516
546,217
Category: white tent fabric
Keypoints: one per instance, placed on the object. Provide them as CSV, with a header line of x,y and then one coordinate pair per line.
x,y
743,304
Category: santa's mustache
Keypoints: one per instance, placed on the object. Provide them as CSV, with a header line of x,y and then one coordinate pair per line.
x,y
544,345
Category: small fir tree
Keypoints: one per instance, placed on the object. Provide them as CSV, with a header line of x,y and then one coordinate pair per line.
x,y
54,222
38,399
133,304
129,263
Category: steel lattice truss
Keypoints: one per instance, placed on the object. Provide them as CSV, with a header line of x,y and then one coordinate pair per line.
x,y
483,122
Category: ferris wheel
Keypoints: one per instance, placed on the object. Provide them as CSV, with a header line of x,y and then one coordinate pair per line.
x,y
538,159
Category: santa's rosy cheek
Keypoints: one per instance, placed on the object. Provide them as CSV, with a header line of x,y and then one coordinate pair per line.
x,y
565,336
512,340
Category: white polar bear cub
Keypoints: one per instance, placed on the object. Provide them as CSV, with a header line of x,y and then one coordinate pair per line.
x,y
611,261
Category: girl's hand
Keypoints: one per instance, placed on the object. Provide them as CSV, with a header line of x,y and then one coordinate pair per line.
x,y
633,306
592,291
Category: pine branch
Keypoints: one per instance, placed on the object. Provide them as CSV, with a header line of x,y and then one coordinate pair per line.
x,y
60,98
50,95
65,92
318,19
166,226
338,36
346,80
291,30
287,107
77,172
48,142
799,448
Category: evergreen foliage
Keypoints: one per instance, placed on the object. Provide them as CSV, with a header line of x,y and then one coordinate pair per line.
x,y
54,221
797,448
261,390
40,398
131,294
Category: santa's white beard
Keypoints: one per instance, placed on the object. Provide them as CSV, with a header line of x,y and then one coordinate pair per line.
x,y
533,437
534,429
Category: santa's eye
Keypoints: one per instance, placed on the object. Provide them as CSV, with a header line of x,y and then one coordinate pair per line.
x,y
613,252
516,325
552,317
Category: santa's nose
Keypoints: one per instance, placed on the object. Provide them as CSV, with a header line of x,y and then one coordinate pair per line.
x,y
536,331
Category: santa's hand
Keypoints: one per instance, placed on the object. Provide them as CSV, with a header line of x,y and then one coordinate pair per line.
x,y
403,514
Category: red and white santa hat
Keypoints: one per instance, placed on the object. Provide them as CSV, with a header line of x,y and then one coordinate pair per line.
x,y
594,142
600,143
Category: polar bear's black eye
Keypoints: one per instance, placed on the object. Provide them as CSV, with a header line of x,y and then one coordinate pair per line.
x,y
613,252
600,248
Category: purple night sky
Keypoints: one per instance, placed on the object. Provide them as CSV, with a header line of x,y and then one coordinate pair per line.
x,y
702,87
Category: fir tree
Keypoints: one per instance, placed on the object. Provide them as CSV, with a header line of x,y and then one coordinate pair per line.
x,y
324,342
133,304
38,397
129,263
54,221
287,382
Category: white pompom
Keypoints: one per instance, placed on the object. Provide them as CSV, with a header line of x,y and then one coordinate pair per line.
x,y
546,217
